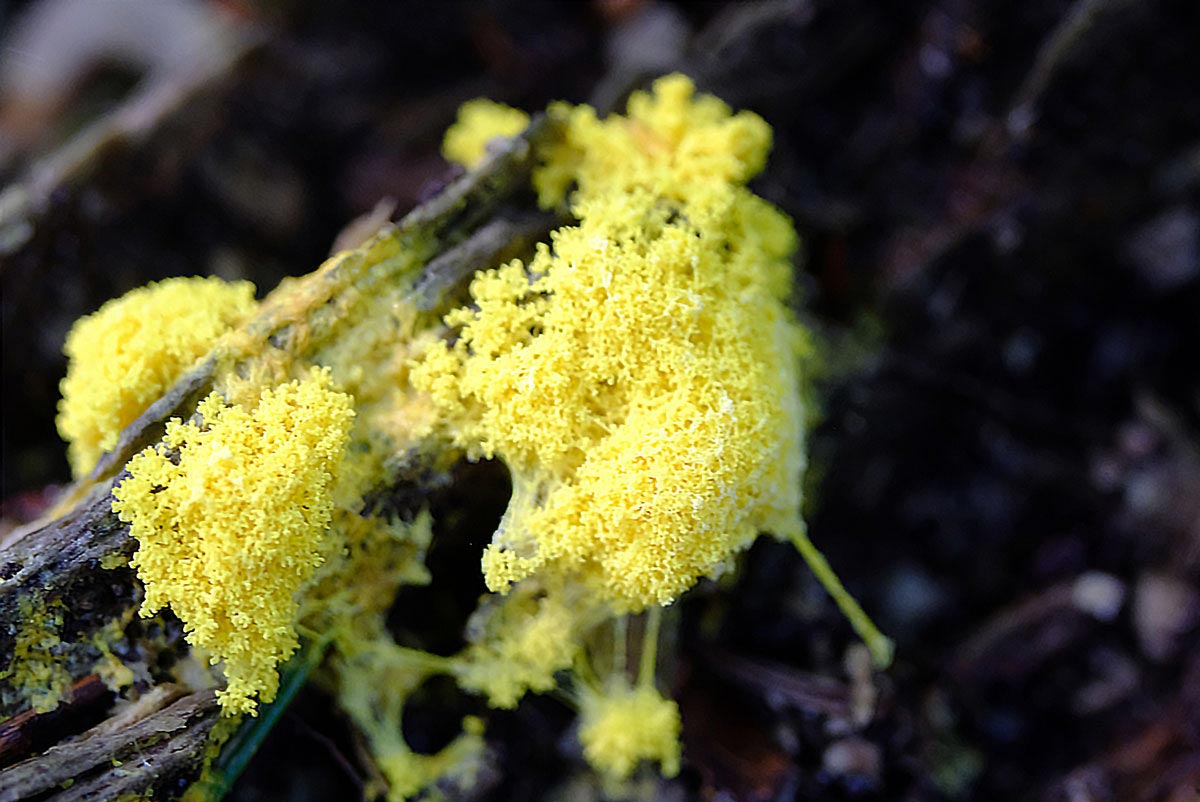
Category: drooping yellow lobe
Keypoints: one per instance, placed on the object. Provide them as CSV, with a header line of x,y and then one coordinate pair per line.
x,y
230,513
626,725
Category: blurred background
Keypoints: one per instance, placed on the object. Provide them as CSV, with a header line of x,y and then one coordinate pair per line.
x,y
999,202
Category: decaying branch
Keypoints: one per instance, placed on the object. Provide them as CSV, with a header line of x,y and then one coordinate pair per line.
x,y
476,222
156,746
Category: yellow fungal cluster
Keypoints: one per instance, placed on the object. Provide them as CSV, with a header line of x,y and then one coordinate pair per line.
x,y
36,669
479,122
639,375
125,355
671,143
625,725
523,640
230,512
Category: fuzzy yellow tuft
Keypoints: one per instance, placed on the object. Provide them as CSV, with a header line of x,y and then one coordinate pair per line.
x,y
640,376
672,142
523,641
125,355
479,122
230,513
623,726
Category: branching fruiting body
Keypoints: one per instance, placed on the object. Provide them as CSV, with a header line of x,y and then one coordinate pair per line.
x,y
641,376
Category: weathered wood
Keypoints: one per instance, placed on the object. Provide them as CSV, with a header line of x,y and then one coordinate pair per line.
x,y
474,223
160,748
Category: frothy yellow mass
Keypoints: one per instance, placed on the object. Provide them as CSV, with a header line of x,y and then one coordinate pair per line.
x,y
125,355
521,643
639,375
229,513
479,122
626,725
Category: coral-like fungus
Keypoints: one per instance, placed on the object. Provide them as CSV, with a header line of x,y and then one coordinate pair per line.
x,y
625,725
639,374
523,641
230,512
479,122
126,354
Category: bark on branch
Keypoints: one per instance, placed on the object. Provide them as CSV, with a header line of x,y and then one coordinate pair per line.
x,y
479,220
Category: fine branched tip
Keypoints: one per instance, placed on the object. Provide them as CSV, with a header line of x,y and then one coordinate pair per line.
x,y
881,647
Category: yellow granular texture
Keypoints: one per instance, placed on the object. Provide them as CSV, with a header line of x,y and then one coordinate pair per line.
x,y
525,640
36,671
479,122
230,514
672,143
639,376
110,668
623,726
125,355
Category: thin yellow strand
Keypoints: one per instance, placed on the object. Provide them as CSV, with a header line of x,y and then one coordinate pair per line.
x,y
881,647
